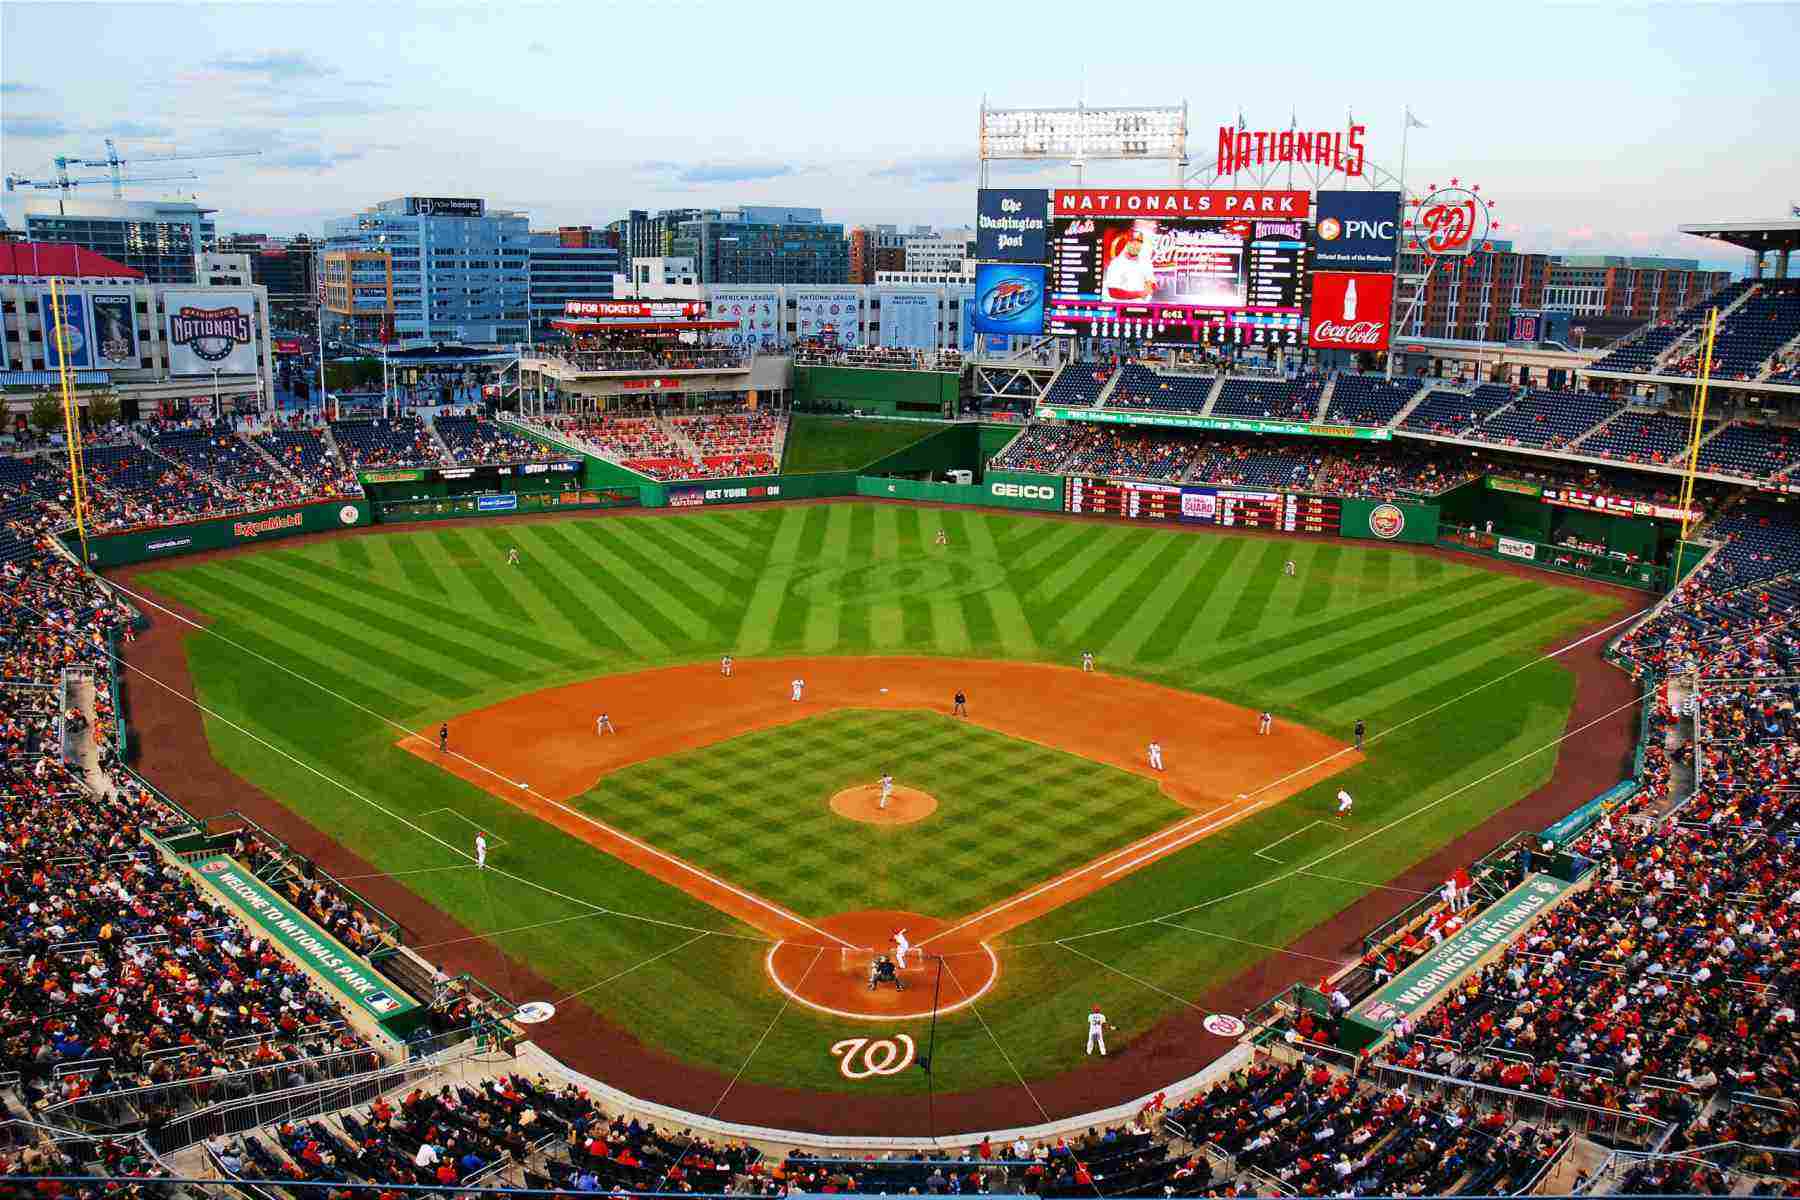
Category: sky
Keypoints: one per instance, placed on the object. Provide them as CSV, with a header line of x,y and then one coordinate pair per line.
x,y
1594,128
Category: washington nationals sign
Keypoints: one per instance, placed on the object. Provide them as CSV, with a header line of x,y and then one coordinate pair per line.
x,y
864,1058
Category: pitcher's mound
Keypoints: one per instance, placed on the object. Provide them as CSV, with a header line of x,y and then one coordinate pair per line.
x,y
904,807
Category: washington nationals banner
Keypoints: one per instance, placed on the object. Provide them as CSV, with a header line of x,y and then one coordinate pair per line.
x,y
74,337
209,331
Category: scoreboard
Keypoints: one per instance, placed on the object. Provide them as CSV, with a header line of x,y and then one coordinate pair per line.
x,y
1123,498
1286,512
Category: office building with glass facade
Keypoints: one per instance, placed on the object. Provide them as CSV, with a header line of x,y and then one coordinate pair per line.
x,y
460,271
765,244
161,238
570,264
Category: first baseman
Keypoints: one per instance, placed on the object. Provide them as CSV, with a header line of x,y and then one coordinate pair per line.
x,y
481,850
1087,660
1097,1031
443,737
961,706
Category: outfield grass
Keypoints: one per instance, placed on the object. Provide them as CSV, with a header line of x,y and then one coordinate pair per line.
x,y
816,443
420,624
755,810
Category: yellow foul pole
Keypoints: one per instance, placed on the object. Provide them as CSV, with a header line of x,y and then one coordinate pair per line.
x,y
1696,424
71,419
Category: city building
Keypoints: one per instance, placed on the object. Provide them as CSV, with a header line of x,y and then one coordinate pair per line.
x,y
643,234
161,238
287,268
874,249
571,263
219,268
457,271
659,271
940,253
356,295
1473,299
769,318
149,345
965,277
761,244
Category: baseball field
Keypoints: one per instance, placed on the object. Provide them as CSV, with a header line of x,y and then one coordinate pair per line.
x,y
699,892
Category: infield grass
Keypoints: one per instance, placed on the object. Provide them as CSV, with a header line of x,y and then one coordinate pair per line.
x,y
416,625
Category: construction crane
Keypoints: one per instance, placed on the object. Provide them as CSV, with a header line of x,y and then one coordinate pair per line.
x,y
64,184
114,162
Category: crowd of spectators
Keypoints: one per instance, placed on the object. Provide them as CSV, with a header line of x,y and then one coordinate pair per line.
x,y
381,442
474,438
306,454
735,442
893,358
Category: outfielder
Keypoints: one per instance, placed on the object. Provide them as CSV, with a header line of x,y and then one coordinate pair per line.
x,y
480,850
725,666
1287,568
1344,803
512,557
797,685
1265,724
942,539
901,946
603,725
887,789
1156,756
1087,661
1097,1031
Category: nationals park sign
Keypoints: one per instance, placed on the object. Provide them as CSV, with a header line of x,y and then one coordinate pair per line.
x,y
1421,985
348,974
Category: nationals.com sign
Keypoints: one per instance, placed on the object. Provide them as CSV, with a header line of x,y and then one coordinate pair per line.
x,y
1350,311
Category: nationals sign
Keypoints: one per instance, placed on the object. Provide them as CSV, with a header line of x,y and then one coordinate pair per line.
x,y
1350,311
1180,202
1452,222
1333,149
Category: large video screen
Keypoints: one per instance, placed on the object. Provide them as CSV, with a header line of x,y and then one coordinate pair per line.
x,y
1184,281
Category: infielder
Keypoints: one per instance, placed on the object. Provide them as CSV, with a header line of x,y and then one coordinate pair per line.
x,y
961,706
480,850
1097,1031
1087,660
1156,756
725,666
1265,724
1359,733
603,725
901,946
512,557
797,686
443,737
887,789
1344,803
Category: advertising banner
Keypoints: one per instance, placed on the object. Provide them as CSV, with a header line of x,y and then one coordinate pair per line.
x,y
695,497
1351,311
211,331
1357,231
1501,483
1021,489
1011,224
831,314
1388,521
1009,299
1175,420
76,338
266,909
967,339
115,330
909,319
756,311
1514,548
503,503
636,310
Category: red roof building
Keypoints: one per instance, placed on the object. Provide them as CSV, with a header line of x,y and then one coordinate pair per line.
x,y
32,262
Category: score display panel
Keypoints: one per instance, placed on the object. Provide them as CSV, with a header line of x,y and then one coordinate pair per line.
x,y
1282,512
1189,281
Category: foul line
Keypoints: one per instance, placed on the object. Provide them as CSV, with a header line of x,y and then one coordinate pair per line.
x,y
672,860
468,866
634,966
1264,852
1128,975
1363,883
988,1029
478,937
1226,937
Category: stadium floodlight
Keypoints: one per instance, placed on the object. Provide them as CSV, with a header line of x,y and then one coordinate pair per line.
x,y
1080,134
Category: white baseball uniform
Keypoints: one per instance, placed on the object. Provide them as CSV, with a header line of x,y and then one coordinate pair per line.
x,y
481,850
1097,1032
797,685
887,790
901,946
603,725
1265,723
1156,756
725,666
1087,660
1344,802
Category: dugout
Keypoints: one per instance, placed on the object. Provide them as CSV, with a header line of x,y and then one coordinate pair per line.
x,y
1593,533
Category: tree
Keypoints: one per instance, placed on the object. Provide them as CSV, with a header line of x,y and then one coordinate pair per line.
x,y
46,413
102,409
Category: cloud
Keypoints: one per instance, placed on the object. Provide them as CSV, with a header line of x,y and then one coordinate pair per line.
x,y
308,158
277,65
32,125
19,89
537,48
718,172
331,106
941,169
140,130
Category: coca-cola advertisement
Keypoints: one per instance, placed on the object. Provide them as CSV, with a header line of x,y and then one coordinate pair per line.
x,y
1350,311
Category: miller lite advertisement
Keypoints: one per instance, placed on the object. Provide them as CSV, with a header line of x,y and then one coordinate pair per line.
x,y
212,330
1350,311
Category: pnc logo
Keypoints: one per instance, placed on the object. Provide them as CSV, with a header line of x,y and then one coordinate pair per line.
x,y
1330,229
1023,491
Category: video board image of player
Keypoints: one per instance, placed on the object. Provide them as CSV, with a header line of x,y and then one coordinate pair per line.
x,y
1181,282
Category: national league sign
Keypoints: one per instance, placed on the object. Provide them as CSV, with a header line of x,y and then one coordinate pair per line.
x,y
1350,311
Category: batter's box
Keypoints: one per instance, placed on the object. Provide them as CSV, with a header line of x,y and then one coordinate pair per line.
x,y
1302,842
457,829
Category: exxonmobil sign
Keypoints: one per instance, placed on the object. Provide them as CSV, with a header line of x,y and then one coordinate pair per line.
x,y
1333,149
1350,311
1176,203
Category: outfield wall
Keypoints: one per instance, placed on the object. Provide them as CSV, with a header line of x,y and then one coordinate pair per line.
x,y
875,391
222,533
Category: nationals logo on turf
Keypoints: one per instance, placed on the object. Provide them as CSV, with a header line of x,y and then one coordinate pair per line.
x,y
1222,1025
861,1058
1386,521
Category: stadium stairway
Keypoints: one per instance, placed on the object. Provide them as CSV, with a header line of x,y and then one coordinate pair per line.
x,y
336,450
1690,340
1212,397
1106,390
1325,399
448,455
1786,348
149,447
275,465
1406,410
686,444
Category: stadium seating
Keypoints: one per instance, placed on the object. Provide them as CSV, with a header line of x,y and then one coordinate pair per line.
x,y
735,442
1637,436
1140,387
309,457
1133,453
1271,399
215,451
1451,413
132,487
387,442
1545,418
479,439
1748,338
1039,447
1078,385
1370,399
1639,352
1752,451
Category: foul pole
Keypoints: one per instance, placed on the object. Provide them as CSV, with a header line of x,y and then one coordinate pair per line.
x,y
71,420
1695,425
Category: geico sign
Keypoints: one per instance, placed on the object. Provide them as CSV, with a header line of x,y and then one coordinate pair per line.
x,y
1024,491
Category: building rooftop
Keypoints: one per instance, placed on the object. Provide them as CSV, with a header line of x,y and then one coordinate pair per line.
x,y
1759,237
42,260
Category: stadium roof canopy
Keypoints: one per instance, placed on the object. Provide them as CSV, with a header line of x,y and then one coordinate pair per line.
x,y
1758,237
